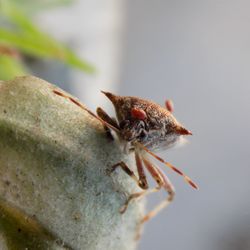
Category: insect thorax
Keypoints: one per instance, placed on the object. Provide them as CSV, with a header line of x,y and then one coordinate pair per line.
x,y
157,131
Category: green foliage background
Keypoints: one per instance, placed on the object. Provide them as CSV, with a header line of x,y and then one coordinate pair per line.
x,y
19,36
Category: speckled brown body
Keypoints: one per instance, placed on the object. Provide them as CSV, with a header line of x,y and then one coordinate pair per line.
x,y
158,130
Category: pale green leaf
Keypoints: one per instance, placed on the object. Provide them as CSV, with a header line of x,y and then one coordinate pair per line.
x,y
10,67
26,37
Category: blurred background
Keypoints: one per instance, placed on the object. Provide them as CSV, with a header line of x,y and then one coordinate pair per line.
x,y
195,52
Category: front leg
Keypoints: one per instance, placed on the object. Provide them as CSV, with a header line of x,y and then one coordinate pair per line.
x,y
127,170
105,117
141,181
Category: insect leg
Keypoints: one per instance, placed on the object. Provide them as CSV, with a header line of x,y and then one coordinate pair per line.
x,y
162,181
142,177
137,195
186,178
142,183
105,117
59,93
127,170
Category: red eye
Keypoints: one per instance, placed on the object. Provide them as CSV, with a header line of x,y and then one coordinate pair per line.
x,y
138,114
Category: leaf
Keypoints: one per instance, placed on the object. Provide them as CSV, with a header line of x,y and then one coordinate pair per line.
x,y
26,37
10,67
31,6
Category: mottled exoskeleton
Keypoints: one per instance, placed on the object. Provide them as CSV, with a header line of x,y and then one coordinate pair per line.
x,y
143,127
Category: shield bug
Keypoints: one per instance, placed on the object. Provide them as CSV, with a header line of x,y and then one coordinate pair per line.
x,y
144,128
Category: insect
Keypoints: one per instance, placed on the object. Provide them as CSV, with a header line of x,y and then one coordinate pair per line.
x,y
144,128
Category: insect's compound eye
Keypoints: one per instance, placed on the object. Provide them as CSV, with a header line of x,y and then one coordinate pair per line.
x,y
138,113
